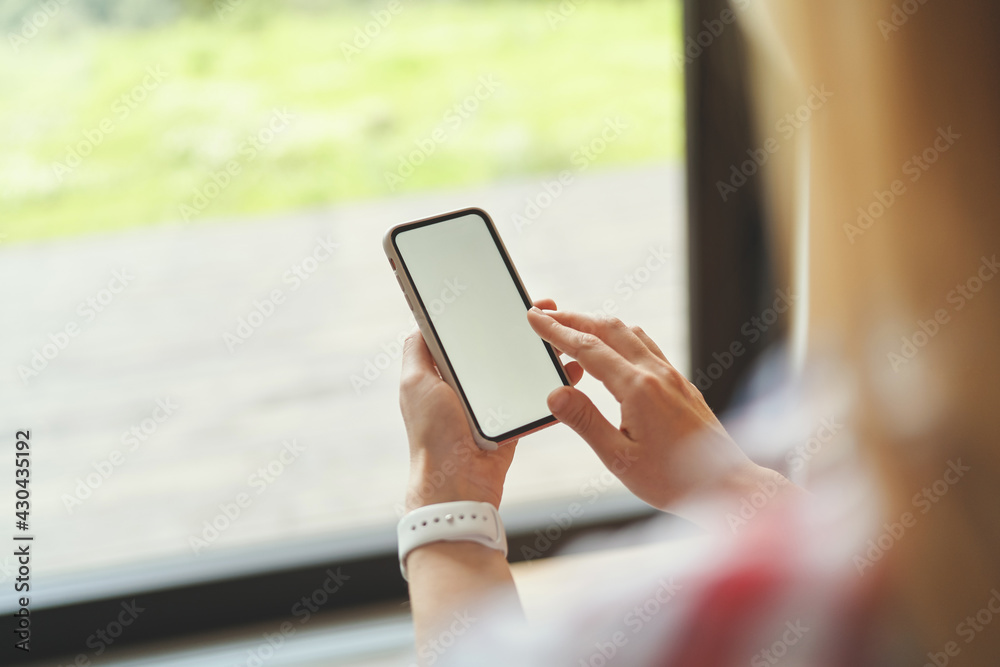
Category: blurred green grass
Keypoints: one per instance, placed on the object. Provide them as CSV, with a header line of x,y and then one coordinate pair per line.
x,y
559,81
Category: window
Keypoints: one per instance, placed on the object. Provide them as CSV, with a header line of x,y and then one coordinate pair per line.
x,y
203,330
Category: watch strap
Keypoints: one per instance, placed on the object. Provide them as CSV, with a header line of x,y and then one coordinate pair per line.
x,y
463,520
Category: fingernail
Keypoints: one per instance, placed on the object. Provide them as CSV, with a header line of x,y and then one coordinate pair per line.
x,y
534,309
559,400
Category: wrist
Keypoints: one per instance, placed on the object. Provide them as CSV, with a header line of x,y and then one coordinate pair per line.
x,y
751,478
448,555
721,507
445,482
422,492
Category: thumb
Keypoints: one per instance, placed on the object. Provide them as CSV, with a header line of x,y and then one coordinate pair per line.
x,y
573,408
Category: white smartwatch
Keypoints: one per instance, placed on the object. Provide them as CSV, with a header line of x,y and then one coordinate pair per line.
x,y
464,520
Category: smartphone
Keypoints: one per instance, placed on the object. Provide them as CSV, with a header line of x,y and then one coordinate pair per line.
x,y
471,308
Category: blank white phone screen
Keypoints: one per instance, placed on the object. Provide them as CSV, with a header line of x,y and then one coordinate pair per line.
x,y
500,363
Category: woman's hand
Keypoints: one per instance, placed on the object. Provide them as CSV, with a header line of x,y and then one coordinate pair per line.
x,y
669,444
446,465
445,462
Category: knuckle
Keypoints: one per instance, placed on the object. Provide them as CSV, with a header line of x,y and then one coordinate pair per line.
x,y
637,330
611,322
647,383
672,378
678,377
586,341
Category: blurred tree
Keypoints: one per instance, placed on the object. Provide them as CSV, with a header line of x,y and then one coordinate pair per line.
x,y
197,7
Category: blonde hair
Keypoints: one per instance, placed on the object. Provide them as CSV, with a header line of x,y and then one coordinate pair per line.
x,y
904,175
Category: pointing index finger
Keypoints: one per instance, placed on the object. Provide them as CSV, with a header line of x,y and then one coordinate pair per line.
x,y
596,357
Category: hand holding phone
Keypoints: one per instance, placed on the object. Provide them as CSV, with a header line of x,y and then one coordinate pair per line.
x,y
471,308
445,462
